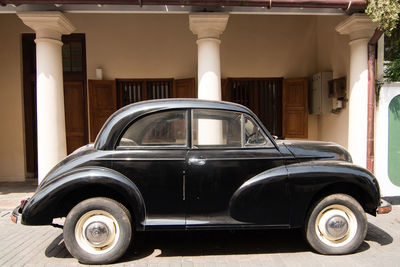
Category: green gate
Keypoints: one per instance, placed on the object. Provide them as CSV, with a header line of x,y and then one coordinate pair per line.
x,y
394,141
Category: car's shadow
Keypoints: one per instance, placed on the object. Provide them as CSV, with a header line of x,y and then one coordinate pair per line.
x,y
378,235
198,243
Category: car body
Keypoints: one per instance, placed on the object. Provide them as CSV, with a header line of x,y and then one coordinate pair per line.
x,y
182,164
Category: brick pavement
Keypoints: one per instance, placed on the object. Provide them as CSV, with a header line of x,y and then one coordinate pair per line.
x,y
12,193
43,246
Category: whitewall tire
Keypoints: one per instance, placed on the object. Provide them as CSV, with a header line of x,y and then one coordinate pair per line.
x,y
98,231
337,224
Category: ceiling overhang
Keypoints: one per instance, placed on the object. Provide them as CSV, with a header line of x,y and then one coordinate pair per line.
x,y
325,7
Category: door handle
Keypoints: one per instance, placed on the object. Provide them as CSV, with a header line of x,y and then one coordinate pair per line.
x,y
197,161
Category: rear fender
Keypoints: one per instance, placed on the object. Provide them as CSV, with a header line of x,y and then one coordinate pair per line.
x,y
41,208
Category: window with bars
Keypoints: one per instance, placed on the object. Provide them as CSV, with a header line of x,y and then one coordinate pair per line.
x,y
263,96
72,54
135,90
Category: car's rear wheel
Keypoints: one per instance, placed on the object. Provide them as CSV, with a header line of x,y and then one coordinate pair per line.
x,y
98,231
337,224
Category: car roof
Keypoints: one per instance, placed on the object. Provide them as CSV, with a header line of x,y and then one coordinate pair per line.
x,y
172,103
122,117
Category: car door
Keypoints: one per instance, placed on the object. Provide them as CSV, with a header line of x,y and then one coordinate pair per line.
x,y
151,152
229,148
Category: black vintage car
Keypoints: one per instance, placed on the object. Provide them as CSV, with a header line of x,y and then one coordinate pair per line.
x,y
190,164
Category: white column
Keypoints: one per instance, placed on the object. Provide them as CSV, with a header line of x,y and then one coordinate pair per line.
x,y
360,29
49,27
208,27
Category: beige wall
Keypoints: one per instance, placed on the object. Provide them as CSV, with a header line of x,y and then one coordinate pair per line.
x,y
155,46
268,46
148,45
138,45
12,146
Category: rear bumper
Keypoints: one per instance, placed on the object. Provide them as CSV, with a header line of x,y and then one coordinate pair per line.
x,y
17,212
384,208
16,215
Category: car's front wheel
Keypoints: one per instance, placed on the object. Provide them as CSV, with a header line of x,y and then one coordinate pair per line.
x,y
98,231
337,224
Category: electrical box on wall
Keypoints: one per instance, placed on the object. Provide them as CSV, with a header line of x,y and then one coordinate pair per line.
x,y
337,88
337,92
321,103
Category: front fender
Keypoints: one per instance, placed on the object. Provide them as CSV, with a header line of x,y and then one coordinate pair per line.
x,y
309,181
42,206
263,199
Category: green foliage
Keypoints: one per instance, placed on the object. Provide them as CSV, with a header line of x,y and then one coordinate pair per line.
x,y
392,54
385,13
392,71
392,45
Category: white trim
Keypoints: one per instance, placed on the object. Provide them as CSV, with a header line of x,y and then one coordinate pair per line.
x,y
47,23
357,26
48,40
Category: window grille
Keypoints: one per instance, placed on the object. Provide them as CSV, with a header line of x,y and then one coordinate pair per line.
x,y
261,95
135,90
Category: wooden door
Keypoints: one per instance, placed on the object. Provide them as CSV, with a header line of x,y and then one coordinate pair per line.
x,y
102,103
184,88
75,118
295,108
75,97
29,85
225,90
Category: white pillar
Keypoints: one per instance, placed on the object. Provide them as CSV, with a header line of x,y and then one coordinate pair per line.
x,y
208,27
49,27
360,29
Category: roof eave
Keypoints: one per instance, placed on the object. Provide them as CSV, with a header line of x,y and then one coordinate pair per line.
x,y
344,4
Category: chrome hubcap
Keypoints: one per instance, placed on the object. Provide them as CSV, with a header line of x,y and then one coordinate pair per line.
x,y
336,225
97,232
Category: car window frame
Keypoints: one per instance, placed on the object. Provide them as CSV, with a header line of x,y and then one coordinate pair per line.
x,y
268,143
243,141
157,147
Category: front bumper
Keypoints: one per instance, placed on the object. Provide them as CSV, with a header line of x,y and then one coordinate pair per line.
x,y
384,208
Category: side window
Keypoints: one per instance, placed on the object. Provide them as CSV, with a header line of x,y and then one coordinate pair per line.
x,y
159,129
253,134
216,128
